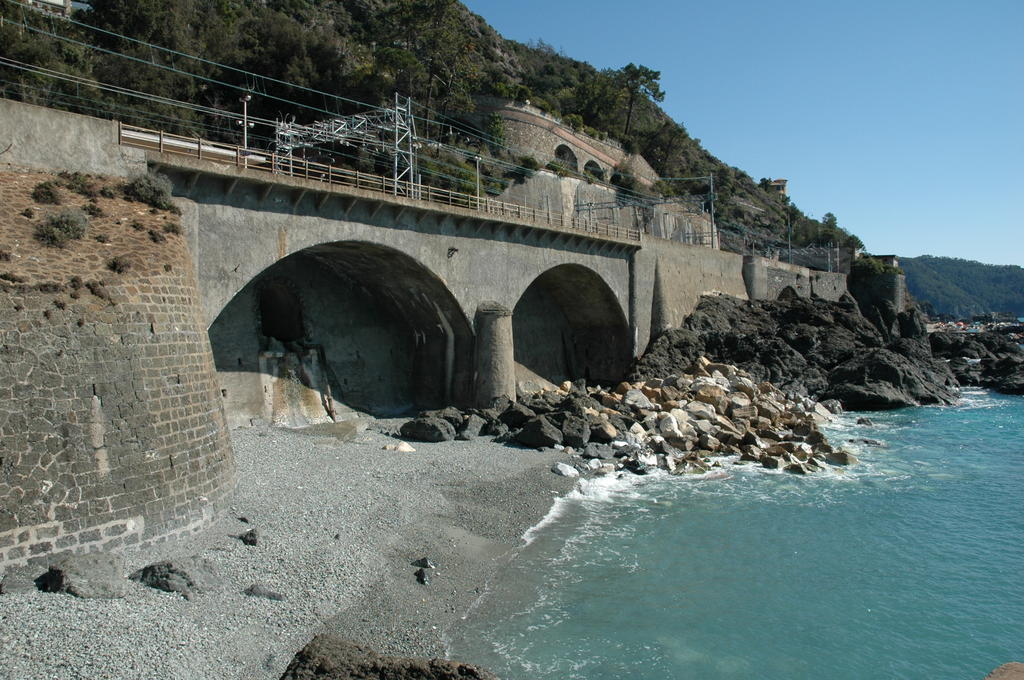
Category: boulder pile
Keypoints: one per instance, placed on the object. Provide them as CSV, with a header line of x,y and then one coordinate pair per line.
x,y
684,424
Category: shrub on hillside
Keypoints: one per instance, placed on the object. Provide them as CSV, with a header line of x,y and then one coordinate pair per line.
x,y
67,225
153,190
46,192
119,264
79,183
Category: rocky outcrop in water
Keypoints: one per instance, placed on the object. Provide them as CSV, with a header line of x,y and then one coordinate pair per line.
x,y
331,658
988,359
828,350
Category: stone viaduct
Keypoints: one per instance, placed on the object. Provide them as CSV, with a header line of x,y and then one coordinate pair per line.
x,y
358,299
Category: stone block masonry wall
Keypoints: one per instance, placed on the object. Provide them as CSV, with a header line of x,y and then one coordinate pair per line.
x,y
111,426
110,423
782,276
828,285
766,279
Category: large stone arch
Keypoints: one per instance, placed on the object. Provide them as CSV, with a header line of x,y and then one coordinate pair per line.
x,y
568,324
379,333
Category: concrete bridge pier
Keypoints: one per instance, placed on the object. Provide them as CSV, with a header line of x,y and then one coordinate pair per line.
x,y
495,356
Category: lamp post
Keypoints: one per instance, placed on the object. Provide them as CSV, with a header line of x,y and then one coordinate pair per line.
x,y
245,99
477,178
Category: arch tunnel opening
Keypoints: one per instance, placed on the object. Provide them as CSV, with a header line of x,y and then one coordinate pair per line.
x,y
565,157
568,324
280,312
341,326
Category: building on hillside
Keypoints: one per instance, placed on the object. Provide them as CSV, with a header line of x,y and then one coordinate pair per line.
x,y
61,7
779,185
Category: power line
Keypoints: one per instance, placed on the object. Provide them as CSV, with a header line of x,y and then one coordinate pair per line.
x,y
490,140
219,113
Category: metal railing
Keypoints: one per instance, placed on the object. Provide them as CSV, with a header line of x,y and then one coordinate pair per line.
x,y
288,166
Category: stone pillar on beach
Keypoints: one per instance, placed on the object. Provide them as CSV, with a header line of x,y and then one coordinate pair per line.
x,y
495,358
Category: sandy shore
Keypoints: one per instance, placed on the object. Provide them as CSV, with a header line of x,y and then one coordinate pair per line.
x,y
340,523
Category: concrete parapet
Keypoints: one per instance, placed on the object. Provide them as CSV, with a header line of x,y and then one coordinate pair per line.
x,y
495,355
50,139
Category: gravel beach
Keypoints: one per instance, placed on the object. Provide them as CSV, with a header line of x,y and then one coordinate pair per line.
x,y
340,521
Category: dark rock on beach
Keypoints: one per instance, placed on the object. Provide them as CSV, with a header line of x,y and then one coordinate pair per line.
x,y
471,427
96,575
250,537
428,429
185,577
260,590
538,432
332,658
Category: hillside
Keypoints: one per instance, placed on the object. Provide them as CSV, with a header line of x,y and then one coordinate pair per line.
x,y
964,288
308,59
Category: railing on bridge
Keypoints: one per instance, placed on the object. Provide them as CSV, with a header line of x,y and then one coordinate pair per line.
x,y
265,161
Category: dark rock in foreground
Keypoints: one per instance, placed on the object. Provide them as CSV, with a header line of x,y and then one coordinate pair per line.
x,y
96,575
332,658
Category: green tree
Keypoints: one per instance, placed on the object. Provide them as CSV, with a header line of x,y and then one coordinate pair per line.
x,y
639,82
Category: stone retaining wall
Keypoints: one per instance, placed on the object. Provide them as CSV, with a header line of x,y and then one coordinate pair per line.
x,y
111,425
828,285
529,130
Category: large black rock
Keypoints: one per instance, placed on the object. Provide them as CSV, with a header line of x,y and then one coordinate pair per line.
x,y
538,432
185,577
428,429
575,431
799,344
882,379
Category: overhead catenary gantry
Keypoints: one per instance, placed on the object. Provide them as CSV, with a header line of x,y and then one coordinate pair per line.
x,y
390,131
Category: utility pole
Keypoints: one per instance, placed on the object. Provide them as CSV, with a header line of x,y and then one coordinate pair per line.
x,y
714,231
245,99
789,225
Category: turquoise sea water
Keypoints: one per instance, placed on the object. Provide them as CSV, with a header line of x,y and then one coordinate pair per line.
x,y
910,565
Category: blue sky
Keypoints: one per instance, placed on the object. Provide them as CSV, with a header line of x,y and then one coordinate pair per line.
x,y
905,118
